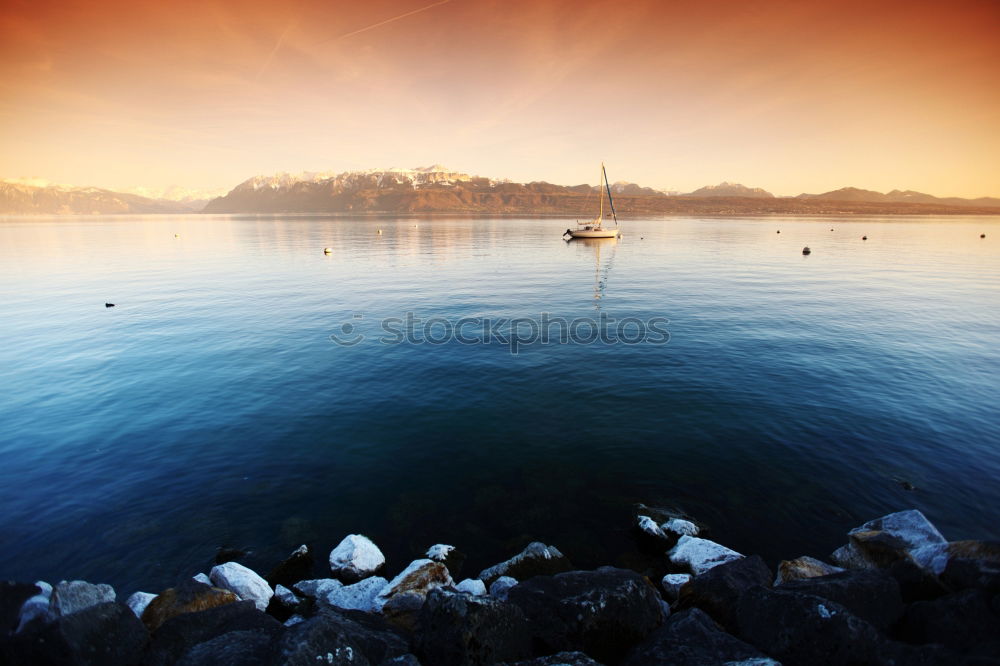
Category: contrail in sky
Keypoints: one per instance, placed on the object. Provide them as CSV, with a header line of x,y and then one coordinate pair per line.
x,y
275,49
394,18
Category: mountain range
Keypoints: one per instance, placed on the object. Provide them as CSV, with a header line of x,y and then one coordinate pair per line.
x,y
435,189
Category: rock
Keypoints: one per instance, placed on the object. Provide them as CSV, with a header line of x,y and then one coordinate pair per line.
x,y
558,659
849,557
872,595
456,629
700,555
138,601
880,542
962,621
297,566
449,556
188,597
181,633
419,578
501,587
964,574
293,620
37,607
915,583
77,595
798,628
243,582
335,636
359,596
602,612
403,610
103,633
692,638
718,590
649,528
202,578
672,584
536,559
235,648
803,567
354,558
439,552
318,587
935,557
12,598
472,586
224,554
285,596
680,527
401,660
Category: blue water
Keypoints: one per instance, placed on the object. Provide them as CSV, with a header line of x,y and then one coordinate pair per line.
x,y
210,407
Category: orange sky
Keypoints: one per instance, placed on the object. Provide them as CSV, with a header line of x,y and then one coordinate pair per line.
x,y
790,96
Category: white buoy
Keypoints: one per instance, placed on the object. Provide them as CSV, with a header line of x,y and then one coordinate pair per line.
x,y
177,235
327,250
379,232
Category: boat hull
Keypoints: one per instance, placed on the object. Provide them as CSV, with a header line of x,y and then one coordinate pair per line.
x,y
594,233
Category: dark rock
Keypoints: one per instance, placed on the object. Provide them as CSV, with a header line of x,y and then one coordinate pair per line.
x,y
464,630
337,636
871,595
188,597
798,628
964,574
12,597
106,633
558,659
602,612
236,648
403,610
963,621
803,567
536,559
717,590
401,660
916,584
692,638
181,633
223,554
298,566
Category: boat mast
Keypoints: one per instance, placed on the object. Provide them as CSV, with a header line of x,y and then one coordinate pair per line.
x,y
611,202
600,215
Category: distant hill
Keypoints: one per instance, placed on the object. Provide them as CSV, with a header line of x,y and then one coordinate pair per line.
x,y
731,190
17,198
899,196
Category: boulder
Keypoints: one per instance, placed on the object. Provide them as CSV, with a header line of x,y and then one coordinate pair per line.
x,y
403,610
651,533
77,595
718,590
501,587
915,583
286,597
354,558
359,596
243,582
558,659
798,628
458,629
871,595
692,638
235,648
936,558
188,597
536,559
980,574
803,567
472,586
962,621
297,566
602,612
449,556
672,584
202,578
12,598
880,542
419,578
37,607
317,587
179,634
138,601
336,636
700,555
680,527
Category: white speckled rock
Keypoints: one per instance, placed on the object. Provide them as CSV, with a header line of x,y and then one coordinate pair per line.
x,y
202,578
417,579
680,527
501,586
911,527
77,595
243,582
700,555
649,526
355,557
318,587
359,596
138,602
38,606
439,552
473,586
672,584
285,596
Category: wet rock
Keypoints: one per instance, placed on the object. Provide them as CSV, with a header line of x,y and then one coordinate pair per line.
x,y
188,597
138,601
12,598
335,636
803,567
672,584
700,555
798,628
297,566
880,542
37,608
236,648
457,629
176,636
872,595
536,559
472,586
419,578
354,558
224,554
359,596
602,612
680,527
77,595
963,621
243,582
558,659
692,638
501,587
718,590
449,556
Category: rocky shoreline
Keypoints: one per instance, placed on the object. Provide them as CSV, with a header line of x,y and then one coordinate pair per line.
x,y
896,593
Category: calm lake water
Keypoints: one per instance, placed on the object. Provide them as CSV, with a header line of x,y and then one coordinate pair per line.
x,y
210,407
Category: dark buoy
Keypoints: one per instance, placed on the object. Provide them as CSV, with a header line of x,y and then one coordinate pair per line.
x,y
831,228
806,250
778,231
109,305
982,235
864,238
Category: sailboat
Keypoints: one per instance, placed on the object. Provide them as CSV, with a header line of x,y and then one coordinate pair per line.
x,y
594,228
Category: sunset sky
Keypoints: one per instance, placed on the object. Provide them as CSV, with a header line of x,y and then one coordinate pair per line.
x,y
789,96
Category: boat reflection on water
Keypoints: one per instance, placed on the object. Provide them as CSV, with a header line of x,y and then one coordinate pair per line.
x,y
595,247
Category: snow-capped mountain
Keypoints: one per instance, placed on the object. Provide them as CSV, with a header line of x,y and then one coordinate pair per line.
x,y
731,190
21,196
